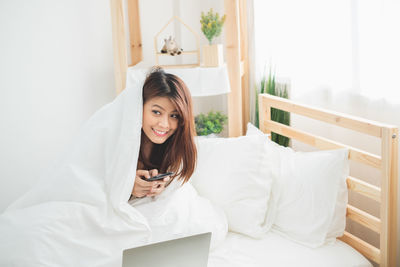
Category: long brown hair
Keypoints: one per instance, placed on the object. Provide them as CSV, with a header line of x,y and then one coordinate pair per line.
x,y
178,153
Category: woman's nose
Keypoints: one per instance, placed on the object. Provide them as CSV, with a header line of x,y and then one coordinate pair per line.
x,y
163,122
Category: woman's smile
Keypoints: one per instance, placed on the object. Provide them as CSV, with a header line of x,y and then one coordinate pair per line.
x,y
160,133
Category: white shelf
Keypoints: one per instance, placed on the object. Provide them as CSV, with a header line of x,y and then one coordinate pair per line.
x,y
201,81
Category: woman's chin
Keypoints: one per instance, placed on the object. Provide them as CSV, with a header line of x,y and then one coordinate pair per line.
x,y
159,139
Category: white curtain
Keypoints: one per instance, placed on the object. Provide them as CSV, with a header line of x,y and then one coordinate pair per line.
x,y
379,48
337,44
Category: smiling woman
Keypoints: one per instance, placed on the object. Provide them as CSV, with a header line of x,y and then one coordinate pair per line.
x,y
167,141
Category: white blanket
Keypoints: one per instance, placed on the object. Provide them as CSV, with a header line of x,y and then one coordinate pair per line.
x,y
78,214
179,211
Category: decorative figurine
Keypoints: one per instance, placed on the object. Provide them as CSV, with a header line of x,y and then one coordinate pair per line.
x,y
171,47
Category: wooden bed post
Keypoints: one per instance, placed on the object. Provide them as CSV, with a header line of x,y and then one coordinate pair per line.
x,y
232,42
119,44
135,35
389,187
244,62
264,113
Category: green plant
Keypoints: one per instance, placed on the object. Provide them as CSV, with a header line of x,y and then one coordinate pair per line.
x,y
213,122
268,85
211,24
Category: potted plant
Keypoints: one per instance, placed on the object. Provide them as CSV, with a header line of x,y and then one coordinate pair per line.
x,y
269,85
210,124
211,26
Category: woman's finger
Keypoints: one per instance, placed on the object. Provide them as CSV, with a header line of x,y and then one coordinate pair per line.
x,y
156,189
153,172
158,184
141,188
142,183
143,173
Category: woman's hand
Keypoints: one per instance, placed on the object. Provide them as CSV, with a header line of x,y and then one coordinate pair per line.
x,y
144,188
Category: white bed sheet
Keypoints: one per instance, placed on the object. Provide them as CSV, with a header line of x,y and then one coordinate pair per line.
x,y
274,250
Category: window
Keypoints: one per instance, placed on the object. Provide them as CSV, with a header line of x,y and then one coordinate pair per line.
x,y
336,44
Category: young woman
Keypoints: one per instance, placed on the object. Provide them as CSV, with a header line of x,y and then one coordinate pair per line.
x,y
81,200
167,140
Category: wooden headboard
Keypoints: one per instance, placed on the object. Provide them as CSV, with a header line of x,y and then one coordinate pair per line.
x,y
386,195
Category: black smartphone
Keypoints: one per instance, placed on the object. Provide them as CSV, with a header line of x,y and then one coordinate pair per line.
x,y
158,177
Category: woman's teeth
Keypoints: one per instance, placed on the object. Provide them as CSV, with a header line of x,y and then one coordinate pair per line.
x,y
159,132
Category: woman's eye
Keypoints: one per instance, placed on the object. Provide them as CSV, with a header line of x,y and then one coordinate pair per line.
x,y
156,112
175,116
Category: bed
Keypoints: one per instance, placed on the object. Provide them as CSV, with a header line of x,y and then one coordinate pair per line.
x,y
347,250
273,249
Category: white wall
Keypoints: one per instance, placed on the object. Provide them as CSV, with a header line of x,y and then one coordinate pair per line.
x,y
56,69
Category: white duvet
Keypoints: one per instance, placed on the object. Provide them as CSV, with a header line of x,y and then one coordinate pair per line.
x,y
78,214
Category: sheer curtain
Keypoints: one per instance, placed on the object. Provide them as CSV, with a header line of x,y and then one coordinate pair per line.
x,y
351,45
379,48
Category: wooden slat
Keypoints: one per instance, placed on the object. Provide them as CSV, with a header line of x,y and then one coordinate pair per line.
x,y
363,247
389,183
119,44
364,188
358,124
241,69
232,42
244,58
135,35
384,210
323,143
364,218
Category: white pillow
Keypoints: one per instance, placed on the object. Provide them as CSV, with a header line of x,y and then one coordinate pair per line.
x,y
253,130
310,194
234,173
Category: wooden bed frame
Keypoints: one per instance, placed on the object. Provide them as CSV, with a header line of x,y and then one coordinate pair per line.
x,y
387,162
236,46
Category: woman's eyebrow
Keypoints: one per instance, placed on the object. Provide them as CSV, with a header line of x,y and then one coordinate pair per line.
x,y
155,105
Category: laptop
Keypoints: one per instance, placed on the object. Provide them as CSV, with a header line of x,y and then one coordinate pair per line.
x,y
182,252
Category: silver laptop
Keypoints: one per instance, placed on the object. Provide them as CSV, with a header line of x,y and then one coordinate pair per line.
x,y
182,252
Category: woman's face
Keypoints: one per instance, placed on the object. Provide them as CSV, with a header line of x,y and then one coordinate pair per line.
x,y
160,119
